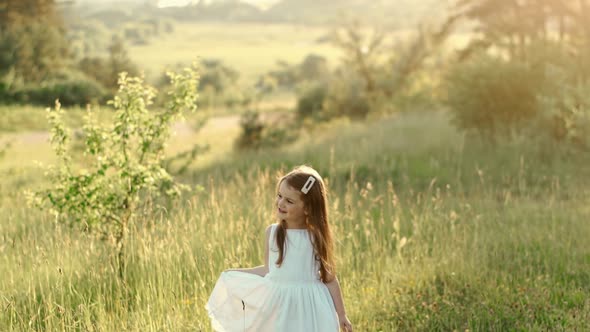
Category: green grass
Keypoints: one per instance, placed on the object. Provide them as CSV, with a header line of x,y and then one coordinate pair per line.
x,y
496,238
14,118
252,49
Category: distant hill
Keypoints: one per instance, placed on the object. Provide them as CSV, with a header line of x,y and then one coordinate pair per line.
x,y
390,13
228,10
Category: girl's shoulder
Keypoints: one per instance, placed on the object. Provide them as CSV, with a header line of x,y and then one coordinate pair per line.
x,y
271,228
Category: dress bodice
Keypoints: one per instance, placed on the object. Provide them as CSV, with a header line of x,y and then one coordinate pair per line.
x,y
299,263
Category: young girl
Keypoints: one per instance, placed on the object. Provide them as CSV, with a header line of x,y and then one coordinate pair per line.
x,y
296,290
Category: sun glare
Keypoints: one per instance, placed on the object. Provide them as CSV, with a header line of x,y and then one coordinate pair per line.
x,y
173,3
263,4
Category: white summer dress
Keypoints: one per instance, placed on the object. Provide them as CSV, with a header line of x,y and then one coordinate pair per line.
x,y
290,298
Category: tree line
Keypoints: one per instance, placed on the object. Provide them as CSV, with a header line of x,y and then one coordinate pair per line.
x,y
37,64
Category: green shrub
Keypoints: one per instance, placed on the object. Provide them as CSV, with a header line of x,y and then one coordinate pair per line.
x,y
98,69
313,68
4,92
105,70
310,102
257,133
542,98
71,89
565,115
217,84
493,97
123,164
217,75
347,97
341,96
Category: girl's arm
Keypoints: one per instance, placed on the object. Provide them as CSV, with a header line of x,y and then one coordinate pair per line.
x,y
261,270
336,293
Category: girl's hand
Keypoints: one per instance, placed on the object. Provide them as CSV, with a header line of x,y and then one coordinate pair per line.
x,y
345,324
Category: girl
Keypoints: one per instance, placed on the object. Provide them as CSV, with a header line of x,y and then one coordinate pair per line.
x,y
296,290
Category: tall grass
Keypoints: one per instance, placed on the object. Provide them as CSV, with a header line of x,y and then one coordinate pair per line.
x,y
15,118
434,232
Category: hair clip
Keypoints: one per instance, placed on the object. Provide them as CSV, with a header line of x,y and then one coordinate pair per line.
x,y
308,184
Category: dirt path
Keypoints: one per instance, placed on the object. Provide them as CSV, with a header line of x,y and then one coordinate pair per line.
x,y
182,128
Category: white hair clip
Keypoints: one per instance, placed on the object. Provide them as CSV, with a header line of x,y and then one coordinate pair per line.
x,y
308,184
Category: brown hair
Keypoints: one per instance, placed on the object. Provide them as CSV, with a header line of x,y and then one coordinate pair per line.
x,y
316,204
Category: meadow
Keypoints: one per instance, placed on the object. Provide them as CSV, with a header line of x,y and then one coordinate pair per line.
x,y
435,231
252,49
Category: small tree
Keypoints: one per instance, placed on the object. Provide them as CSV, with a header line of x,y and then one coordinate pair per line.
x,y
123,160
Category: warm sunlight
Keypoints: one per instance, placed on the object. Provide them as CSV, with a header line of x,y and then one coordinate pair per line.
x,y
263,4
173,3
149,178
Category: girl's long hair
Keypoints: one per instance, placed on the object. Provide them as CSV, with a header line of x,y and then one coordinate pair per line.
x,y
316,205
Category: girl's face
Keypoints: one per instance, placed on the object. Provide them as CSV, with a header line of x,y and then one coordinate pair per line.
x,y
290,206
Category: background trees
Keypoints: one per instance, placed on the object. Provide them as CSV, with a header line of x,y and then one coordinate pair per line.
x,y
32,39
526,73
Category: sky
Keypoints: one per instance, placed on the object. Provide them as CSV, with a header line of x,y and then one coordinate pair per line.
x,y
172,3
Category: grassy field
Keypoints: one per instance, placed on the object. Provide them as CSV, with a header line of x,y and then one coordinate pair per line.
x,y
252,49
435,232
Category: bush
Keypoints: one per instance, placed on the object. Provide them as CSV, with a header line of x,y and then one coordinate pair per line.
x,y
543,101
310,102
105,70
257,134
217,84
343,96
218,75
71,89
347,97
4,92
98,69
492,96
313,68
565,115
123,166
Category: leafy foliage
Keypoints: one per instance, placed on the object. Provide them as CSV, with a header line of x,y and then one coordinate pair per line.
x,y
534,72
32,39
123,161
343,96
258,133
374,75
511,26
311,99
493,96
217,84
105,70
70,87
565,115
313,68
